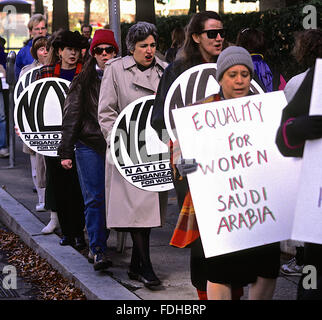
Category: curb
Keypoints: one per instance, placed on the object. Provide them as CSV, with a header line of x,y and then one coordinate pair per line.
x,y
65,259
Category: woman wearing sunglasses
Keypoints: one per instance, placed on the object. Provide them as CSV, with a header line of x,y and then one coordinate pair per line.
x,y
80,129
204,41
129,208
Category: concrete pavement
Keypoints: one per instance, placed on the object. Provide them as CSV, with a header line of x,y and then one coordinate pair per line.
x,y
17,212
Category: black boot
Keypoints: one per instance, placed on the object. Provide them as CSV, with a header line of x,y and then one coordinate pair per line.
x,y
66,241
141,267
80,243
148,277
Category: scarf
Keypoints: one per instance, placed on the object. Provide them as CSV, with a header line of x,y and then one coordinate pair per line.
x,y
186,230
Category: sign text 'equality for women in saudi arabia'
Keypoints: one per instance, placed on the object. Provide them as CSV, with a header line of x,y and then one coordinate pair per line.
x,y
244,188
38,114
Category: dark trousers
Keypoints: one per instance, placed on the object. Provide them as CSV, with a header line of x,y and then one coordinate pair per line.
x,y
63,195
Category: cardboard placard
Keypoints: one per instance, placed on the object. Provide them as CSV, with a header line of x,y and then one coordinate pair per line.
x,y
244,190
308,214
38,114
24,81
138,153
191,86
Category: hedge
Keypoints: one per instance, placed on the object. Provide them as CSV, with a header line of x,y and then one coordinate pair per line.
x,y
279,27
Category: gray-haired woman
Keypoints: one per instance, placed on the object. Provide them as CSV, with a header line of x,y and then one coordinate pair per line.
x,y
127,207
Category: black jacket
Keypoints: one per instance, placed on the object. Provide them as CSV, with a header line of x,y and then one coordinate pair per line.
x,y
298,106
80,120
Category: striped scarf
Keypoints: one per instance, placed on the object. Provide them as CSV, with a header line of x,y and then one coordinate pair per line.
x,y
186,230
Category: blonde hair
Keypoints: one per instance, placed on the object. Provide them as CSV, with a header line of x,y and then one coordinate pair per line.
x,y
35,19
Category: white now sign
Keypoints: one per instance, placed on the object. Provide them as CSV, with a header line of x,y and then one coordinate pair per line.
x,y
138,153
191,86
38,114
244,190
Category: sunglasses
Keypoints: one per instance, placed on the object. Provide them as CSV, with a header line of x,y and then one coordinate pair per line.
x,y
99,50
213,33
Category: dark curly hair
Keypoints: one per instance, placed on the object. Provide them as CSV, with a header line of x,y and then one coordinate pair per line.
x,y
308,47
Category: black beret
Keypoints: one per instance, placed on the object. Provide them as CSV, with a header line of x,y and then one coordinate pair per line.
x,y
70,39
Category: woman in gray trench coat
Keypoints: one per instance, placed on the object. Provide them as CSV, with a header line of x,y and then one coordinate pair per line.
x,y
125,80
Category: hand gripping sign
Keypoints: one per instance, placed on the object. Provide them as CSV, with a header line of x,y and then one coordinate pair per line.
x,y
191,86
38,114
139,155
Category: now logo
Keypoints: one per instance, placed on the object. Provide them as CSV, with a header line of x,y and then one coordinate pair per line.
x,y
9,280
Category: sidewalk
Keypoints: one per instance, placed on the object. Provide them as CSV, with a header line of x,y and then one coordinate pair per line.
x,y
17,211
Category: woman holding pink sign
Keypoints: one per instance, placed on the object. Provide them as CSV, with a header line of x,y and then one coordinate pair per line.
x,y
258,266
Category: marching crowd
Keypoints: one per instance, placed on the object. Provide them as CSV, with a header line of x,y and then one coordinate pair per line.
x,y
83,189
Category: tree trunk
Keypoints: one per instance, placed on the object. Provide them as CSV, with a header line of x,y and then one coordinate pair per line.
x,y
193,7
271,4
221,7
202,5
39,6
87,12
60,15
145,11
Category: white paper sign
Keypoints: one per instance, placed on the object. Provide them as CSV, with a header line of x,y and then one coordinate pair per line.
x,y
244,190
38,114
138,153
24,81
308,214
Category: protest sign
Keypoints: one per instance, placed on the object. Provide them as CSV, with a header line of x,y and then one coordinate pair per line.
x,y
138,153
308,214
38,114
191,86
244,190
24,81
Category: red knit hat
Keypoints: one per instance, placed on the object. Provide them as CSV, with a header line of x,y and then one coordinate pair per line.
x,y
103,36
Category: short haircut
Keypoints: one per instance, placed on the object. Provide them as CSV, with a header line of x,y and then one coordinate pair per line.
x,y
37,43
87,26
139,32
36,18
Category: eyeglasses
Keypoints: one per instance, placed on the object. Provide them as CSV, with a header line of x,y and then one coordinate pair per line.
x,y
42,49
99,50
213,33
